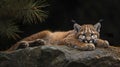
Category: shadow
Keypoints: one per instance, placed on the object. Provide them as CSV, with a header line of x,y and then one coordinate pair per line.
x,y
75,64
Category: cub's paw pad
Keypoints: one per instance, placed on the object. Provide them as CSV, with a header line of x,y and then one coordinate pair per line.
x,y
88,47
38,42
106,44
23,44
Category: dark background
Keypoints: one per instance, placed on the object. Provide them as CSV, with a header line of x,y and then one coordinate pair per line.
x,y
61,12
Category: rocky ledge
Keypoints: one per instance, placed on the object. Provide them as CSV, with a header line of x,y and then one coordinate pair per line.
x,y
61,56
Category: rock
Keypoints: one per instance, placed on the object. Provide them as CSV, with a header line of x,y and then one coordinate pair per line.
x,y
61,56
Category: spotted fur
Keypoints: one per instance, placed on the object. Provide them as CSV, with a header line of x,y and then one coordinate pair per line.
x,y
87,34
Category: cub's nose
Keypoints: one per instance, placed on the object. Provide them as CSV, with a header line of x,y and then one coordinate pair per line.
x,y
88,38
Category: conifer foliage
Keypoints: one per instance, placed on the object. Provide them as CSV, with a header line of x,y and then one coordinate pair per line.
x,y
13,12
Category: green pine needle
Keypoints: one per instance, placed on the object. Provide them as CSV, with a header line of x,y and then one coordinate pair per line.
x,y
9,30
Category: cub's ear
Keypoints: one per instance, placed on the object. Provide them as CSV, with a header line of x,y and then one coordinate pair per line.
x,y
97,27
77,27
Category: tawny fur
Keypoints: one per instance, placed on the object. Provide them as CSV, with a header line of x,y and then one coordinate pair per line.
x,y
52,37
69,38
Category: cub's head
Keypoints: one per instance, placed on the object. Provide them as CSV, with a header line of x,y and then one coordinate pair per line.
x,y
87,33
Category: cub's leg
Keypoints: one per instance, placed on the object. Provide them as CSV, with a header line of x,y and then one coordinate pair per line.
x,y
102,43
37,42
85,46
74,43
22,44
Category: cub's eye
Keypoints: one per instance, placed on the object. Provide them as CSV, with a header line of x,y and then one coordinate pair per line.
x,y
82,37
94,36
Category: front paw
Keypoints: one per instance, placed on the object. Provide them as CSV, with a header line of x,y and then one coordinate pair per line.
x,y
106,44
102,43
87,47
84,47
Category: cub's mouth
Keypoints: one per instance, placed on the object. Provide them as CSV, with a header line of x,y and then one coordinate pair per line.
x,y
88,41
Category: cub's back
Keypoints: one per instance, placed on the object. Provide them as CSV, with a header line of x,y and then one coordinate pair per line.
x,y
56,36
